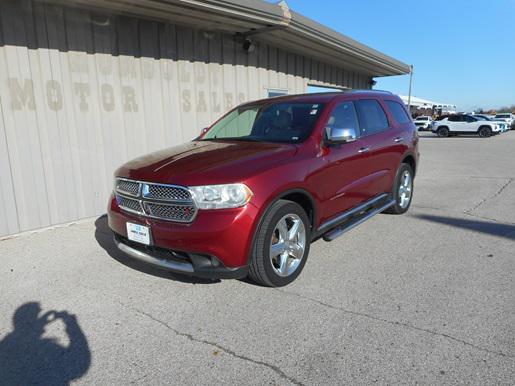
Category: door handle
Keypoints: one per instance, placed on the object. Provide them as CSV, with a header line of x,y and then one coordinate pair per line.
x,y
363,150
399,139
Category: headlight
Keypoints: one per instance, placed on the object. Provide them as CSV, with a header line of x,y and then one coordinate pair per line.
x,y
221,196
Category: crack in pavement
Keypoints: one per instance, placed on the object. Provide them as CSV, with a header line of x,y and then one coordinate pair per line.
x,y
499,191
226,350
396,323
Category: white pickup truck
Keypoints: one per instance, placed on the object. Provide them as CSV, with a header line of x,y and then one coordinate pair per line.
x,y
465,124
423,122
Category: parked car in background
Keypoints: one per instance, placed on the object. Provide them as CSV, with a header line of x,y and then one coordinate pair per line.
x,y
502,124
453,125
423,122
508,118
251,194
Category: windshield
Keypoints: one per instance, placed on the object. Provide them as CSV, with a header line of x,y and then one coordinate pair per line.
x,y
288,122
422,119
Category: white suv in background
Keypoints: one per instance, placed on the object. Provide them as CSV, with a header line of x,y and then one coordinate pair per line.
x,y
506,117
423,122
465,124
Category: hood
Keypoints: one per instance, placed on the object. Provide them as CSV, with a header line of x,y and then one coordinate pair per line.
x,y
207,162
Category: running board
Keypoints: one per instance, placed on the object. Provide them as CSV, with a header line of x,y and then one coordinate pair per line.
x,y
353,222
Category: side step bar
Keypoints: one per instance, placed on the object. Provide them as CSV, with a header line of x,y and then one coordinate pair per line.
x,y
353,222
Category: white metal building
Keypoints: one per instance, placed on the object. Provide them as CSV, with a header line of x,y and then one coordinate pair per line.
x,y
428,105
87,85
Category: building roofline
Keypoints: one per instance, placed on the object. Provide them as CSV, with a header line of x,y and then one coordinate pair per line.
x,y
274,23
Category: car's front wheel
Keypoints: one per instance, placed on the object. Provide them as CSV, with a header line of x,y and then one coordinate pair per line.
x,y
281,245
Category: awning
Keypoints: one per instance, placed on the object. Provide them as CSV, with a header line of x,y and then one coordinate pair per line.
x,y
262,21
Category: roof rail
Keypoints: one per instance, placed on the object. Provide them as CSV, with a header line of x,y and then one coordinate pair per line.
x,y
367,90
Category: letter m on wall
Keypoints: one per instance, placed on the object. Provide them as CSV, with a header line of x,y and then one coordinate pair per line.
x,y
22,95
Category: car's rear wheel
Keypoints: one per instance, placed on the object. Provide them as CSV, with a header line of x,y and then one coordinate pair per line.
x,y
281,245
485,132
402,191
443,131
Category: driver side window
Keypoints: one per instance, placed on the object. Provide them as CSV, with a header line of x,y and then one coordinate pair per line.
x,y
344,116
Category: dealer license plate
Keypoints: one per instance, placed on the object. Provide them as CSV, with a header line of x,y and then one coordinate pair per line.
x,y
138,233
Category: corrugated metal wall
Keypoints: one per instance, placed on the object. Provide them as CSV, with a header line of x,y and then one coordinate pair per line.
x,y
81,92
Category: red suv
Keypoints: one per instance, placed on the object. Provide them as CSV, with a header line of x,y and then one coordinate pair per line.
x,y
249,195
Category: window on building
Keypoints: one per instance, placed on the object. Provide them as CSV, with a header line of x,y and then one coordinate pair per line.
x,y
398,112
276,92
372,118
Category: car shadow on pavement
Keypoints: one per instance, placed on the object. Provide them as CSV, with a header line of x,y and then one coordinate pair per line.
x,y
28,357
492,228
104,237
427,135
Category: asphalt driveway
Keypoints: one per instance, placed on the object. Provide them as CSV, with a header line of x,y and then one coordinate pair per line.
x,y
427,297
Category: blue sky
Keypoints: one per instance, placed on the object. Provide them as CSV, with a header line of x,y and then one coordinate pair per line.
x,y
463,52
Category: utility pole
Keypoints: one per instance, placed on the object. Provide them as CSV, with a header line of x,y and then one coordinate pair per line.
x,y
409,92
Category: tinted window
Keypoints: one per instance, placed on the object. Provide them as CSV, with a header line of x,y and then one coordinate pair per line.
x,y
470,119
372,118
344,116
454,118
399,113
267,122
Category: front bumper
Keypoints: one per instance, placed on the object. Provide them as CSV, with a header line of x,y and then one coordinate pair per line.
x,y
200,266
216,244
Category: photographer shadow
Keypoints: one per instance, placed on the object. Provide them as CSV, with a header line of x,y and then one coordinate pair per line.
x,y
27,357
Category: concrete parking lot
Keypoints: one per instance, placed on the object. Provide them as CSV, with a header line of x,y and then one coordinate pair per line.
x,y
428,297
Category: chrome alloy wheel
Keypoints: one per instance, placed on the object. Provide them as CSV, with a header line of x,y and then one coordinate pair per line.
x,y
405,188
287,245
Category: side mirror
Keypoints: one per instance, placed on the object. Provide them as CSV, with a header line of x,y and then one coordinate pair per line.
x,y
336,135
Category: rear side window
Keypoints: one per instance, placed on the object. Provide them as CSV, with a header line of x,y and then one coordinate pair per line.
x,y
372,118
398,112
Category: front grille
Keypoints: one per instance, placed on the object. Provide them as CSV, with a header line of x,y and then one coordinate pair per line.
x,y
129,204
182,213
128,187
165,192
148,199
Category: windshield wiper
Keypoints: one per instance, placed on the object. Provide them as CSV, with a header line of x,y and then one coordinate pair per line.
x,y
249,139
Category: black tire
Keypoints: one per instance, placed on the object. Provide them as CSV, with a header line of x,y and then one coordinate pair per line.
x,y
485,132
261,268
398,208
443,131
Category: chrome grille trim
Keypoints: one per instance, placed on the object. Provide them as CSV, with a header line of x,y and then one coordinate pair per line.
x,y
179,212
163,192
160,201
128,187
129,204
